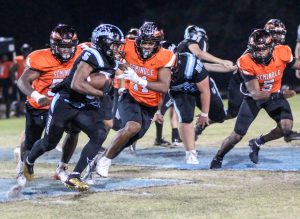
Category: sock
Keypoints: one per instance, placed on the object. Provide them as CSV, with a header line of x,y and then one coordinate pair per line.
x,y
175,134
260,140
159,128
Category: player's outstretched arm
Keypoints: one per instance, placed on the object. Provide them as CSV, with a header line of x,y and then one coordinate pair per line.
x,y
219,68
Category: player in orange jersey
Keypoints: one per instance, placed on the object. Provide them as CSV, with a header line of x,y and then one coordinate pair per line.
x,y
44,69
262,70
148,76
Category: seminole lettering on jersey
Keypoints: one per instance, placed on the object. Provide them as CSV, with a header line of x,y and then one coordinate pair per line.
x,y
148,70
51,72
61,73
142,70
269,76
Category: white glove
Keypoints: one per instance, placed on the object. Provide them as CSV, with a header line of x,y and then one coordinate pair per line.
x,y
130,74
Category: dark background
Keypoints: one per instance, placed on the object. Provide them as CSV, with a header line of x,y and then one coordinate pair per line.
x,y
228,23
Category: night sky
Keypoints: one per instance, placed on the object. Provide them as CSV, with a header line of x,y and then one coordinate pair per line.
x,y
228,23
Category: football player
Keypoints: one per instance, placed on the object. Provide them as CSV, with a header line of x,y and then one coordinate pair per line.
x,y
77,101
44,69
196,42
262,70
148,75
278,32
168,104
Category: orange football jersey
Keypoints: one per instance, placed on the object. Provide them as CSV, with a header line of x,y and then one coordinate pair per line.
x,y
51,71
147,69
269,76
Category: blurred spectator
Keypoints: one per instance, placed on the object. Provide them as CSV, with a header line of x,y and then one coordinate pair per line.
x,y
7,69
297,50
19,97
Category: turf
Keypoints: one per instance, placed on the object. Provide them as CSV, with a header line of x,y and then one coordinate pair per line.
x,y
212,194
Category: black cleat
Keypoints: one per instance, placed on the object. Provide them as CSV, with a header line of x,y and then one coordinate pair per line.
x,y
216,162
198,131
161,142
254,149
292,137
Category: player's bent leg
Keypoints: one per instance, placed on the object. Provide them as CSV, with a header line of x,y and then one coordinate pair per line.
x,y
226,146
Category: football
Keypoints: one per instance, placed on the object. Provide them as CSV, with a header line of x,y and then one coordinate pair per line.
x,y
98,80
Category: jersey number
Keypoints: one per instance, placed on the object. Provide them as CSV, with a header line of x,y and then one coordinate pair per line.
x,y
55,81
268,85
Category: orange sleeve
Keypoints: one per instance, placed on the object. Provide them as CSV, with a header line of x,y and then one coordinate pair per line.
x,y
285,53
167,58
245,66
36,60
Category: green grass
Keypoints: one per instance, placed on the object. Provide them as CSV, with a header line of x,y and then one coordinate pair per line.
x,y
214,194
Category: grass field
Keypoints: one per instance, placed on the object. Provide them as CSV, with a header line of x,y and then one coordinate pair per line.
x,y
213,194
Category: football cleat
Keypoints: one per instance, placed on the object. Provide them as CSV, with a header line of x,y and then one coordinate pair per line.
x,y
102,166
292,137
161,142
191,157
28,171
89,177
198,131
216,162
254,149
177,142
61,173
74,182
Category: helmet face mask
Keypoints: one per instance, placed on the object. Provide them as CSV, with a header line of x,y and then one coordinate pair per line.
x,y
261,46
148,41
108,39
63,42
277,29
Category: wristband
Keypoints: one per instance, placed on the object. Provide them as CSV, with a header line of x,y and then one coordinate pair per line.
x,y
204,114
36,96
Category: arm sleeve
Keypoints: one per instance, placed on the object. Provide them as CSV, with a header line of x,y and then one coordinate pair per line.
x,y
285,54
245,69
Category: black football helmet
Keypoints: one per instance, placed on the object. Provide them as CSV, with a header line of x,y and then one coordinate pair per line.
x,y
149,33
168,45
277,29
108,39
261,40
132,33
63,36
25,49
195,33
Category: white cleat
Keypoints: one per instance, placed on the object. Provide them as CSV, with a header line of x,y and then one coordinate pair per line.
x,y
89,177
102,166
191,157
61,173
